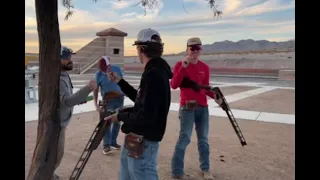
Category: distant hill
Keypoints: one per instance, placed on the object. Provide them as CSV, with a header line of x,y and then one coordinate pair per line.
x,y
247,46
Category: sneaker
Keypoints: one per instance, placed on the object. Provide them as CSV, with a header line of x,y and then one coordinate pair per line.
x,y
207,175
116,146
182,177
106,150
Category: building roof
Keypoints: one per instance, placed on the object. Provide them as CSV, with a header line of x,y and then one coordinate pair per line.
x,y
111,32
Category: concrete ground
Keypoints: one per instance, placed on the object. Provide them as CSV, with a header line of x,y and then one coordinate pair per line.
x,y
175,95
269,154
275,101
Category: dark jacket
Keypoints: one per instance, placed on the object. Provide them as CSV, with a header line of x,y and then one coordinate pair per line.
x,y
152,101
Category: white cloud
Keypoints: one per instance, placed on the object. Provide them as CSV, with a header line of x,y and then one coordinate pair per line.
x,y
129,14
268,6
231,6
200,2
280,30
277,39
123,4
235,24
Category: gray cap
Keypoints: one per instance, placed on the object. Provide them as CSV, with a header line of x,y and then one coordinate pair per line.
x,y
194,41
147,35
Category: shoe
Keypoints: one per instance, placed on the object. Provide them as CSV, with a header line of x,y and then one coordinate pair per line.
x,y
207,175
106,150
182,177
116,146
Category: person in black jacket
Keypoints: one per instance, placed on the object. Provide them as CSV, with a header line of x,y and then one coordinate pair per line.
x,y
145,124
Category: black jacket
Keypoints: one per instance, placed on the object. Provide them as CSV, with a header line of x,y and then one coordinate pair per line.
x,y
152,101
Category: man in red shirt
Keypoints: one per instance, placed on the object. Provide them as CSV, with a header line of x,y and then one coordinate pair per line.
x,y
194,69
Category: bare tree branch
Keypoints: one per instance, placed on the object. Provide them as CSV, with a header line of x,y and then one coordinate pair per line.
x,y
184,7
214,7
151,4
67,4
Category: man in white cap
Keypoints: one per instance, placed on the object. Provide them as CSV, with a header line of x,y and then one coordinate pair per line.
x,y
68,100
107,87
145,125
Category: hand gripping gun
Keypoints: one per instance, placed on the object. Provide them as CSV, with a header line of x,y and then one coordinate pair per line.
x,y
94,141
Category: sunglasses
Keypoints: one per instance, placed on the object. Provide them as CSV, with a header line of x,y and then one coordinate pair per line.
x,y
195,48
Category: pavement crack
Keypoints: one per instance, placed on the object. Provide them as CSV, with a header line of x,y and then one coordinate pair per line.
x,y
258,116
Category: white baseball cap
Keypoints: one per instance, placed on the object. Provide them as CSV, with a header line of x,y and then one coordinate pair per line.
x,y
106,59
147,35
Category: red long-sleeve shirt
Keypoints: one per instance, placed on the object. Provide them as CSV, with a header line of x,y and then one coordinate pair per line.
x,y
200,73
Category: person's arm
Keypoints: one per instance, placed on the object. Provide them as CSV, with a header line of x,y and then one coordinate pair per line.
x,y
188,83
128,90
73,99
96,91
178,74
152,97
207,82
120,72
95,97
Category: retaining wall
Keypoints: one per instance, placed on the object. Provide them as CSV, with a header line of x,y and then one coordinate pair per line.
x,y
239,67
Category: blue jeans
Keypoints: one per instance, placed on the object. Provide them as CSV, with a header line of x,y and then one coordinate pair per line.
x,y
200,117
144,168
111,135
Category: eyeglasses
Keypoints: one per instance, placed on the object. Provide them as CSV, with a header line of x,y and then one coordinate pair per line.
x,y
195,48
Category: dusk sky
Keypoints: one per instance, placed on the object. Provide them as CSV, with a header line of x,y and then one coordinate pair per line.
x,y
272,20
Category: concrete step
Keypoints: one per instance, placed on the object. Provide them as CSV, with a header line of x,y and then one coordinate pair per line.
x,y
245,76
267,76
91,70
79,82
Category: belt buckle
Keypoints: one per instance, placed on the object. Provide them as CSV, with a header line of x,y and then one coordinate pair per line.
x,y
191,104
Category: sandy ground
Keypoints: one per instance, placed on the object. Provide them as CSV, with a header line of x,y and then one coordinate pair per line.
x,y
269,154
175,95
275,101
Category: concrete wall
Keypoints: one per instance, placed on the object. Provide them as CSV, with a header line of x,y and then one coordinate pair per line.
x,y
259,64
288,75
236,56
114,42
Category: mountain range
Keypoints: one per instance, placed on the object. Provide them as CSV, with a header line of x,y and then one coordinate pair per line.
x,y
247,46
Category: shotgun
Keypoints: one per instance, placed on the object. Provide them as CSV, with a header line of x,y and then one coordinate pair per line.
x,y
187,83
95,140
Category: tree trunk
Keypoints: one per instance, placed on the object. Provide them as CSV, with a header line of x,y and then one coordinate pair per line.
x,y
44,156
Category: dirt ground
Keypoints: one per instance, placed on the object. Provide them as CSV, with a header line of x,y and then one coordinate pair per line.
x,y
175,95
269,154
275,101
